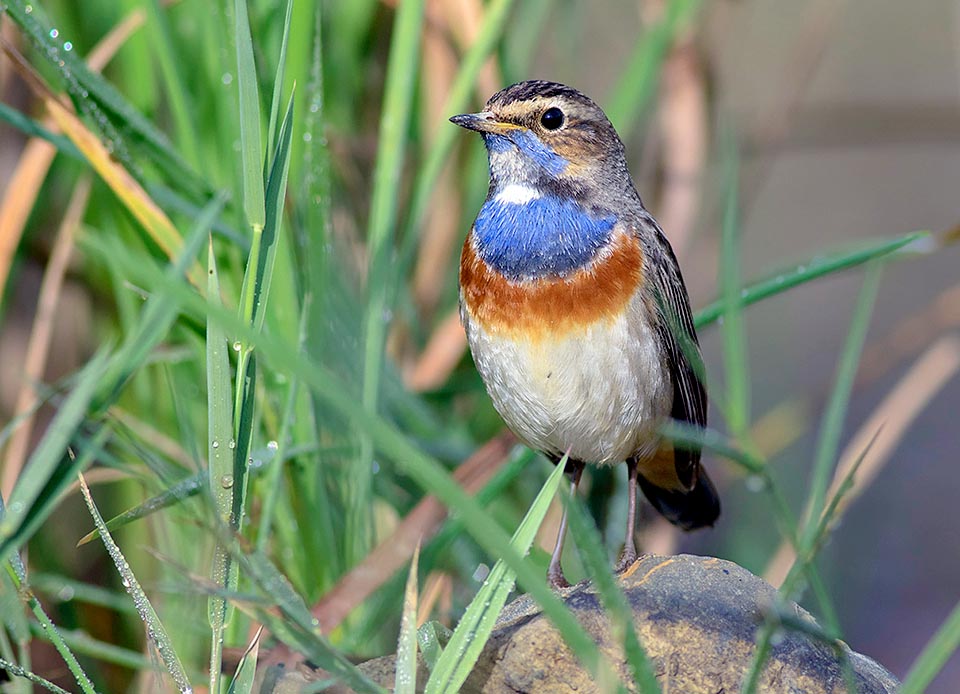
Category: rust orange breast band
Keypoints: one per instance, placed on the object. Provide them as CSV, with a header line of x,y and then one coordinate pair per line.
x,y
551,307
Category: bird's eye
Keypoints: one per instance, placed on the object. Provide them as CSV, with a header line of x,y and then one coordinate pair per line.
x,y
552,118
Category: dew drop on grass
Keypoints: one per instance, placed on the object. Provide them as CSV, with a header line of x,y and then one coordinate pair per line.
x,y
273,445
755,483
68,46
54,33
28,9
227,79
226,481
215,444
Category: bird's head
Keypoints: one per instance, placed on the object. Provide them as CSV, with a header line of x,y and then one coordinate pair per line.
x,y
547,137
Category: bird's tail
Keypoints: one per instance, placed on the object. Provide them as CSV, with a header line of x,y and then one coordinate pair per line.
x,y
688,509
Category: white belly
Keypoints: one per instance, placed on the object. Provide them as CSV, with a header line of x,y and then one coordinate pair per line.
x,y
599,394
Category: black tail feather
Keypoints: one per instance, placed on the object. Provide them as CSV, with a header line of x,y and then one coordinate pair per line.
x,y
689,510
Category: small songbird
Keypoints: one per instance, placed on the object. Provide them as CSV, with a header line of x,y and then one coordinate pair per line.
x,y
575,309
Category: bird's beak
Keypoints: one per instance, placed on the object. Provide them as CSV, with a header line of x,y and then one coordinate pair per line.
x,y
483,122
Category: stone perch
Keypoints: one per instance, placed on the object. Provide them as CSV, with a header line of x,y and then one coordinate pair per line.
x,y
696,617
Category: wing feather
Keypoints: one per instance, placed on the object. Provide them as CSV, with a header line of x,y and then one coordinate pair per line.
x,y
678,338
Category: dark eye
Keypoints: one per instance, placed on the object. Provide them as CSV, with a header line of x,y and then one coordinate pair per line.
x,y
552,118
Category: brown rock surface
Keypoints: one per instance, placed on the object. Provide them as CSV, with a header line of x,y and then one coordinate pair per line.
x,y
696,617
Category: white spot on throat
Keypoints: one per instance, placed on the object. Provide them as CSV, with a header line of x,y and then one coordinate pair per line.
x,y
517,194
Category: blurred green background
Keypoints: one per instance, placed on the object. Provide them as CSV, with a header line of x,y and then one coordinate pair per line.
x,y
803,129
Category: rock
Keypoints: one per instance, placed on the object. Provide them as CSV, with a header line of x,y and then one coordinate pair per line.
x,y
696,617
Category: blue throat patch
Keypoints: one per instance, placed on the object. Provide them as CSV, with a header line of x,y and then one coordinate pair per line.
x,y
530,145
546,236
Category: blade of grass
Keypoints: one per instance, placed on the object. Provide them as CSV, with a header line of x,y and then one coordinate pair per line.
x,y
465,645
273,141
84,644
495,17
220,464
155,629
402,67
934,655
17,573
251,148
49,453
18,671
736,372
163,49
405,681
833,417
816,267
59,587
634,91
242,682
827,446
618,610
169,497
159,313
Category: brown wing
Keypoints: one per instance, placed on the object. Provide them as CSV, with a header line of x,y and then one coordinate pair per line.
x,y
679,341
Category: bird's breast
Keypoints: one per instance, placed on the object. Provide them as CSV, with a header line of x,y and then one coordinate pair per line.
x,y
551,307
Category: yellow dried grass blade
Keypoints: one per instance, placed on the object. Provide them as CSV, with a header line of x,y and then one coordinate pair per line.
x,y
154,221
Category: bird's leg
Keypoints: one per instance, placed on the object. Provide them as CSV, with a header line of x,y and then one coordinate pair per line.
x,y
629,554
555,571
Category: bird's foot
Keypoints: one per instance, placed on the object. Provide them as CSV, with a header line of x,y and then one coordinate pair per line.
x,y
556,579
627,557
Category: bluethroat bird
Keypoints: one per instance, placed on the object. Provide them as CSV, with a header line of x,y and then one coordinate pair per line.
x,y
575,309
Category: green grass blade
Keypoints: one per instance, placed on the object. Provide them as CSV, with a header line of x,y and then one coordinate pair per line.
x,y
934,655
176,90
461,652
432,638
18,671
17,573
160,311
816,267
32,128
495,17
221,446
296,626
155,629
84,644
59,587
251,149
242,682
276,190
638,83
737,374
618,610
169,497
50,452
405,681
276,100
833,418
402,68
